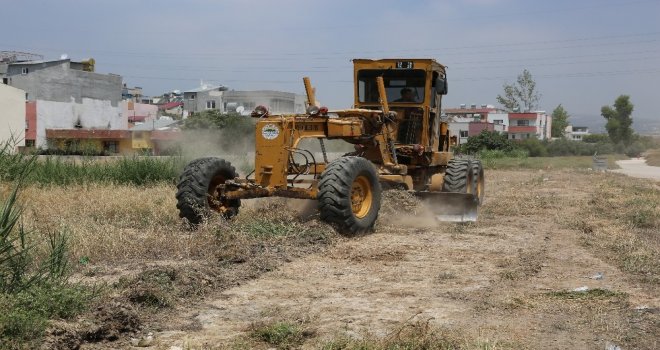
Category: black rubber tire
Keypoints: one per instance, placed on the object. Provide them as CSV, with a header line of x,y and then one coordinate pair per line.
x,y
478,176
334,196
458,176
194,185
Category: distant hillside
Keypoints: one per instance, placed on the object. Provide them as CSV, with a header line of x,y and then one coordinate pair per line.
x,y
596,124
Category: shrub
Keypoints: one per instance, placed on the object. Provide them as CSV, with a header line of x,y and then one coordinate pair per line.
x,y
596,138
489,140
534,147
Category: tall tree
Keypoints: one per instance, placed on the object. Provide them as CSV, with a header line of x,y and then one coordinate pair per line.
x,y
559,121
619,120
521,95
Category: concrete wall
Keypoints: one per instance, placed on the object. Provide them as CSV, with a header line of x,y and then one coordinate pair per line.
x,y
92,114
455,129
12,114
278,102
56,81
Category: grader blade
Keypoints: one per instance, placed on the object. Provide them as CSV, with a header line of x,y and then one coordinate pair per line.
x,y
451,207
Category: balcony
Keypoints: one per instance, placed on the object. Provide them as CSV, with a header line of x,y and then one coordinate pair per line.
x,y
513,129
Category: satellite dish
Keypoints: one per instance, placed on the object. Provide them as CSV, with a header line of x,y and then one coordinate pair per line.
x,y
240,109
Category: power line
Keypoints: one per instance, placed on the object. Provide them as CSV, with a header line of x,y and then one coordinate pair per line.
x,y
325,54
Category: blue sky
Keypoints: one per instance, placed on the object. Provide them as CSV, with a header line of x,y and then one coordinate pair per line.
x,y
583,54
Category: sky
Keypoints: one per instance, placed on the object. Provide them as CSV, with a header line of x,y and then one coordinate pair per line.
x,y
583,54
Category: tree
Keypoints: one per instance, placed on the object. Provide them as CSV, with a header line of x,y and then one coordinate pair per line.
x,y
522,94
619,120
559,121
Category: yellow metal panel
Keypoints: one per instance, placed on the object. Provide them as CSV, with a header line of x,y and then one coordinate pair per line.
x,y
271,153
345,128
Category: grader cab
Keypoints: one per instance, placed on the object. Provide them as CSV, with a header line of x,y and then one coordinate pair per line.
x,y
400,141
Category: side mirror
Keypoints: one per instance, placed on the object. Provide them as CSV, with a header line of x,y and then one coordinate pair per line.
x,y
441,86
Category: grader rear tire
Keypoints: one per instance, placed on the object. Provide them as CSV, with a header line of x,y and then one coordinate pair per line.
x,y
459,176
197,195
349,195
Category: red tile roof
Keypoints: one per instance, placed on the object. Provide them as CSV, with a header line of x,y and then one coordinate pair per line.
x,y
169,105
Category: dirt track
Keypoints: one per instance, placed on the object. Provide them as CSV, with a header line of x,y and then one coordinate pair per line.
x,y
637,167
489,280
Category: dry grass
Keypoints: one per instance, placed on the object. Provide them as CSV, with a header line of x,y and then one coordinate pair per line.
x,y
621,220
653,157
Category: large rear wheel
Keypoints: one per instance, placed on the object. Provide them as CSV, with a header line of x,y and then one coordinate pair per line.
x,y
349,195
199,191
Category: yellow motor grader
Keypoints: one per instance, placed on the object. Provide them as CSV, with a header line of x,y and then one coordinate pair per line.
x,y
399,137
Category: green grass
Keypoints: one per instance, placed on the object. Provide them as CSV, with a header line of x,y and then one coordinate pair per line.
x,y
56,170
283,335
25,315
568,162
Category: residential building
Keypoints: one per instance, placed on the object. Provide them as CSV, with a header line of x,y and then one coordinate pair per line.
x,y
12,116
203,98
132,93
529,125
67,96
576,133
155,136
220,98
278,102
467,121
62,81
171,109
138,112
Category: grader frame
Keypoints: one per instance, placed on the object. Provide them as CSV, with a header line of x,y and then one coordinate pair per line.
x,y
398,143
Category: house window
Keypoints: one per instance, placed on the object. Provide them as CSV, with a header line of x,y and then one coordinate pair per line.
x,y
210,104
522,123
111,146
513,136
192,97
24,70
29,143
464,133
498,121
5,81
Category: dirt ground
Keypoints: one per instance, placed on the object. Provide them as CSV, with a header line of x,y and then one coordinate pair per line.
x,y
504,282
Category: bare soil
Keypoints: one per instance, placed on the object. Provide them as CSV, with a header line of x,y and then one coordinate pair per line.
x,y
504,281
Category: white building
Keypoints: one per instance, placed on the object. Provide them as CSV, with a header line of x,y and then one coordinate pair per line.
x,y
576,133
12,115
530,125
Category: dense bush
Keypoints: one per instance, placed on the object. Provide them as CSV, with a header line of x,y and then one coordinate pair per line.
x,y
494,145
234,128
534,147
488,140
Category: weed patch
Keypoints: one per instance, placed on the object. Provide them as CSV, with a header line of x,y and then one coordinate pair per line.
x,y
590,294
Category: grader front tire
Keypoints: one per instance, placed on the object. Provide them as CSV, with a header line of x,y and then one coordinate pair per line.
x,y
197,195
349,195
479,182
459,177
